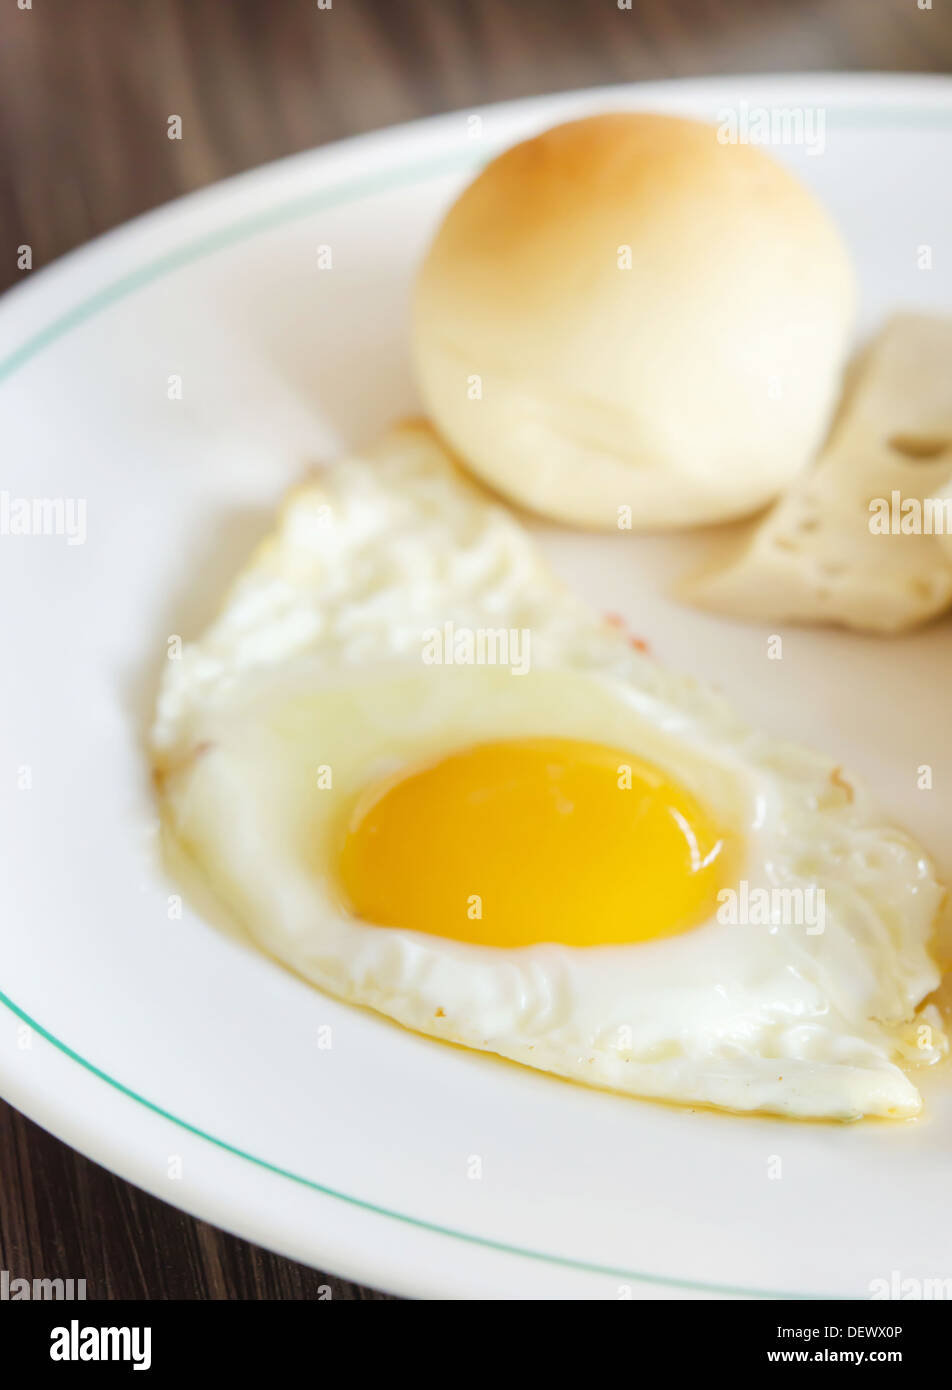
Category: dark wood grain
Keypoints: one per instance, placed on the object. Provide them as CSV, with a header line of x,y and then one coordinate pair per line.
x,y
87,86
86,89
64,1217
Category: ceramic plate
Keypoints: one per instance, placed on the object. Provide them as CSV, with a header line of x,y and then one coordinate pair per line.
x,y
171,1051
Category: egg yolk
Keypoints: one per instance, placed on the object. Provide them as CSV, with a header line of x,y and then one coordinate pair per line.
x,y
529,840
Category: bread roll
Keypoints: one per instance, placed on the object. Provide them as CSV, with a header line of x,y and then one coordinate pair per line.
x,y
626,313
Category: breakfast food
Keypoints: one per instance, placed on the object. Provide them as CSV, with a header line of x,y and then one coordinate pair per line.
x,y
624,321
430,781
865,537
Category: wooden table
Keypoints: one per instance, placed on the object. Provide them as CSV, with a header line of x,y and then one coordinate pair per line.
x,y
86,88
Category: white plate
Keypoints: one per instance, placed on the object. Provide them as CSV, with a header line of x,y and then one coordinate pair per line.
x,y
175,1054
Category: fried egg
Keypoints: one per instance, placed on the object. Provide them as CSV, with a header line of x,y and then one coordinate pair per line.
x,y
573,859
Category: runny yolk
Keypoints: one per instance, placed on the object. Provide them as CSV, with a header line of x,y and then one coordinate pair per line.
x,y
529,840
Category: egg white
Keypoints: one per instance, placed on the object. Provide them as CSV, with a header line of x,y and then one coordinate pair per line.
x,y
314,666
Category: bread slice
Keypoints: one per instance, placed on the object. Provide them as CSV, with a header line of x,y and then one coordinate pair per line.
x,y
864,538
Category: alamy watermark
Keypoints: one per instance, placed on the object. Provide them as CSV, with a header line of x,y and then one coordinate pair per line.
x,y
450,645
15,1290
744,124
83,1343
43,516
911,1289
896,515
773,907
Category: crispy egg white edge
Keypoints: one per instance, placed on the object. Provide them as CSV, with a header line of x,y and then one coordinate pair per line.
x,y
361,562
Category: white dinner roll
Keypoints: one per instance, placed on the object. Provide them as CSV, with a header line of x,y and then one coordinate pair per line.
x,y
627,313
